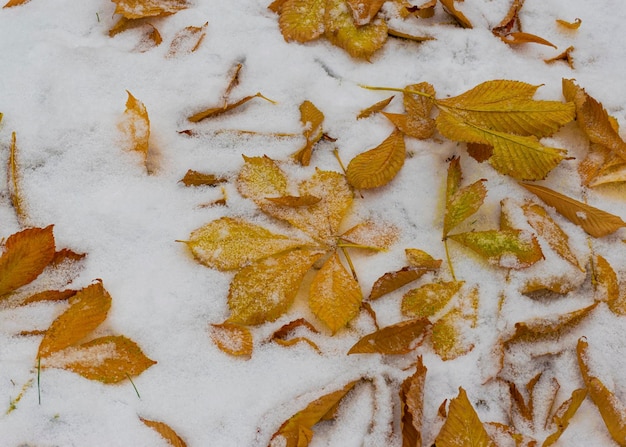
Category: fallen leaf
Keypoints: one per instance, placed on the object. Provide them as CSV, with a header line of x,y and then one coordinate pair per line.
x,y
260,177
564,56
312,119
135,126
423,11
392,281
606,285
136,9
364,11
195,178
49,295
232,339
301,20
594,221
399,338
378,166
400,35
520,38
412,406
14,180
376,108
187,40
295,201
370,235
460,18
216,111
511,21
462,204
564,414
420,259
427,300
570,25
448,336
479,152
166,432
286,329
12,3
418,103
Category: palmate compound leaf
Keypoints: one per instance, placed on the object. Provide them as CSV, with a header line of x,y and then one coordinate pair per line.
x,y
412,406
427,300
312,119
594,221
228,244
399,338
377,167
297,430
302,20
463,426
136,9
232,339
335,296
135,126
264,290
166,432
26,254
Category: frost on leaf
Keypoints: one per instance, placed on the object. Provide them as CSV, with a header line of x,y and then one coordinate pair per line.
x,y
564,414
364,11
302,20
412,406
312,119
264,290
335,296
418,104
187,40
166,432
136,9
461,203
377,167
260,177
232,338
429,299
370,235
420,259
449,334
399,338
135,126
449,7
606,284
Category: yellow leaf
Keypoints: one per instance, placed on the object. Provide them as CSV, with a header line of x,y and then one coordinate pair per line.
x,y
296,431
517,38
394,280
232,339
463,426
399,338
371,235
195,178
135,9
420,259
546,227
606,284
216,111
107,359
312,119
511,21
427,300
302,20
88,309
419,108
335,296
378,166
50,295
378,107
342,31
295,201
187,40
136,126
166,432
449,7
462,204
566,56
423,11
453,179
14,180
364,11
448,333
570,25
594,221
412,406
261,177
564,414
228,243
26,255
265,290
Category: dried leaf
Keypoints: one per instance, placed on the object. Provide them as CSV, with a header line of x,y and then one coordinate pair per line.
x,y
49,295
88,309
228,243
392,281
166,432
265,290
479,152
378,166
277,6
364,11
232,339
295,201
26,254
312,119
569,25
564,56
296,431
135,9
594,221
371,235
286,329
260,177
463,426
335,296
195,178
401,35
216,111
448,333
418,103
449,7
301,20
520,38
14,180
511,21
462,204
399,338
606,284
412,406
296,340
136,126
427,300
376,108
424,11
420,259
187,40
564,414
12,3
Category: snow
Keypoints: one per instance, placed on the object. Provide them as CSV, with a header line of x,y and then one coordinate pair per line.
x,y
63,84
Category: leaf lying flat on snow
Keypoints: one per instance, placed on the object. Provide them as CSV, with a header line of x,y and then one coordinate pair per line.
x,y
302,20
399,338
187,40
166,432
232,339
520,38
216,111
136,125
195,178
371,235
394,280
463,426
378,166
427,300
135,9
449,332
417,122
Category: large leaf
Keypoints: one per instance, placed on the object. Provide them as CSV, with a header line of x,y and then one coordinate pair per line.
x,y
412,409
398,338
378,166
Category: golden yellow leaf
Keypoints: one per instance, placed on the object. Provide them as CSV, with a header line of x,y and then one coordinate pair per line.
x,y
606,284
136,126
265,290
564,414
232,339
449,333
228,243
335,296
420,259
412,406
453,179
594,221
107,359
462,204
399,338
234,81
449,7
423,11
394,280
378,107
286,329
260,177
378,166
135,9
296,431
370,235
166,432
277,6
463,426
12,3
566,56
364,11
195,178
546,227
302,20
418,108
342,31
520,38
14,180
187,40
312,119
509,249
570,25
427,300
26,254
295,341
88,309
216,111
294,201
49,295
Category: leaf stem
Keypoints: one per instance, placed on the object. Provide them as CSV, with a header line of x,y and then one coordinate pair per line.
x,y
345,253
39,380
366,247
13,402
401,90
336,154
133,384
445,244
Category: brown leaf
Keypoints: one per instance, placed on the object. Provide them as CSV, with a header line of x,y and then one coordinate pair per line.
x,y
312,119
520,38
88,309
26,254
378,166
564,414
135,9
569,25
14,181
166,432
606,284
564,56
423,11
136,126
427,300
392,281
449,7
479,152
511,21
364,11
232,339
594,221
376,108
216,111
399,338
195,178
412,409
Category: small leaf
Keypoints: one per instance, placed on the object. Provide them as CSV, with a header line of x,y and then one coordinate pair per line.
x,y
364,11
166,432
216,111
228,243
417,122
427,300
49,295
295,201
420,259
462,204
399,338
392,281
88,309
594,221
606,284
232,339
449,333
412,409
195,178
136,126
312,119
563,56
463,426
564,414
26,255
136,9
376,108
570,25
520,38
335,296
378,166
301,20
370,234
286,329
187,40
449,7
265,290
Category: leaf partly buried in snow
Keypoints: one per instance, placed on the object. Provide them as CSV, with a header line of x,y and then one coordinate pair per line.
x,y
463,427
449,7
364,11
302,20
195,178
312,119
448,336
518,38
564,414
187,40
371,235
166,432
14,180
26,254
412,406
378,166
260,177
594,221
232,339
427,300
335,296
136,9
295,201
398,338
376,108
462,204
264,290
216,111
135,126
606,284
228,243
394,280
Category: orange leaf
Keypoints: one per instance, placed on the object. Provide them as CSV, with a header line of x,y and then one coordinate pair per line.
x,y
427,300
564,56
295,201
607,285
301,20
215,111
449,7
378,107
378,166
187,40
394,280
511,20
26,255
195,178
420,259
50,295
14,180
166,432
289,327
519,38
399,338
135,9
563,414
569,25
335,296
12,3
88,309
412,409
424,11
232,339
296,340
136,126
312,119
594,221
417,122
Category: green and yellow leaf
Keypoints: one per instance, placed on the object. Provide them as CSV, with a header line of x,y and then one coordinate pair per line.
x,y
378,166
449,334
420,259
429,299
399,338
462,204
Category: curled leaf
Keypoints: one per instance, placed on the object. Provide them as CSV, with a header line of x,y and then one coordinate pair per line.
x,y
412,409
606,284
364,11
449,333
566,56
166,432
569,25
564,414
399,338
232,339
520,38
449,7
216,111
378,166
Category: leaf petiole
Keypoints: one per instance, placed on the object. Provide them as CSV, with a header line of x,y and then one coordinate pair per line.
x,y
401,90
133,384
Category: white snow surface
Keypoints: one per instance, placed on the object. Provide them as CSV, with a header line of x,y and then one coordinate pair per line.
x,y
63,84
